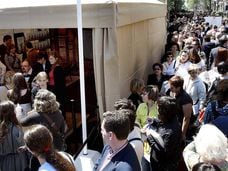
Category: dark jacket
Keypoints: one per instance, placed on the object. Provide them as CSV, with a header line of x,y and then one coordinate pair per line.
x,y
39,118
124,160
165,157
136,99
152,80
60,87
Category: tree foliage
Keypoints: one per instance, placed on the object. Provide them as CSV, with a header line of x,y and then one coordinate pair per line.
x,y
200,4
175,5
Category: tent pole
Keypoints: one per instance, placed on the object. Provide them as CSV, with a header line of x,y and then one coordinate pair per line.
x,y
81,74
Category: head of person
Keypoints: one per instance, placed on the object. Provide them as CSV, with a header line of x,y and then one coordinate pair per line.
x,y
19,81
25,66
193,34
223,40
41,79
174,47
124,104
45,102
213,148
115,127
222,91
167,108
184,55
202,166
42,57
7,116
222,56
193,70
222,67
8,79
176,84
29,45
136,86
129,110
18,84
196,44
53,57
150,93
194,56
38,140
7,39
12,49
207,38
169,56
157,68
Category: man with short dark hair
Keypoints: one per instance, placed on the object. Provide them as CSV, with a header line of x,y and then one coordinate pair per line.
x,y
118,154
223,45
7,42
28,72
164,136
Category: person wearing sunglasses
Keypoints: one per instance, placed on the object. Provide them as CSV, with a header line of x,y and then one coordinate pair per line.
x,y
157,78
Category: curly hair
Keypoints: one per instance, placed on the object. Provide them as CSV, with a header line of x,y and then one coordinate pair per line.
x,y
124,104
45,102
213,149
39,140
7,116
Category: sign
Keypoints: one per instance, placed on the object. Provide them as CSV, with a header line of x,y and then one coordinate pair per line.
x,y
214,20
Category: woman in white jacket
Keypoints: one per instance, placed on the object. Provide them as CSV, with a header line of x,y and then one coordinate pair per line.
x,y
195,87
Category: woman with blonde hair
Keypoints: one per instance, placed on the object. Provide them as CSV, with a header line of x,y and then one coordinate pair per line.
x,y
6,85
39,82
38,140
46,112
195,87
136,88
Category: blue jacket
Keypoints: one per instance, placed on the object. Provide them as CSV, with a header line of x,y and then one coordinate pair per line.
x,y
124,160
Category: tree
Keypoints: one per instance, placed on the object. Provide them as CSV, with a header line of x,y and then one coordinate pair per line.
x,y
200,4
175,5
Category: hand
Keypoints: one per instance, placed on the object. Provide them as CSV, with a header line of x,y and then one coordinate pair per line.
x,y
22,149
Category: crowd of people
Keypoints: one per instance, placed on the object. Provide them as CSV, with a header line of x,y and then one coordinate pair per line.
x,y
179,116
32,110
178,120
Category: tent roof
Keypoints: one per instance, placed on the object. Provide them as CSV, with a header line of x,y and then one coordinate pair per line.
x,y
62,14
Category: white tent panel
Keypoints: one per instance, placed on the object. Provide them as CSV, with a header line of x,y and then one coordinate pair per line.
x,y
62,14
128,36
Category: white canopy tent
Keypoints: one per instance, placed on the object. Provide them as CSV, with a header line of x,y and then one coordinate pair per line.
x,y
128,36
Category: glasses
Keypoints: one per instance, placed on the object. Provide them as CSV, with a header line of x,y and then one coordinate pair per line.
x,y
157,69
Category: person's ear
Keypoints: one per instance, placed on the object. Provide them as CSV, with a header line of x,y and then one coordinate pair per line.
x,y
110,135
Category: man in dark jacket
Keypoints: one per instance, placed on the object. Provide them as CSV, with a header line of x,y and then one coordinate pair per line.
x,y
118,154
164,136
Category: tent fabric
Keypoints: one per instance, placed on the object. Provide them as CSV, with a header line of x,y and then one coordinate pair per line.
x,y
125,53
128,36
96,14
106,70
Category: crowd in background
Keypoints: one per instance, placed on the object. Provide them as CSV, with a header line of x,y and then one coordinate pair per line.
x,y
32,96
